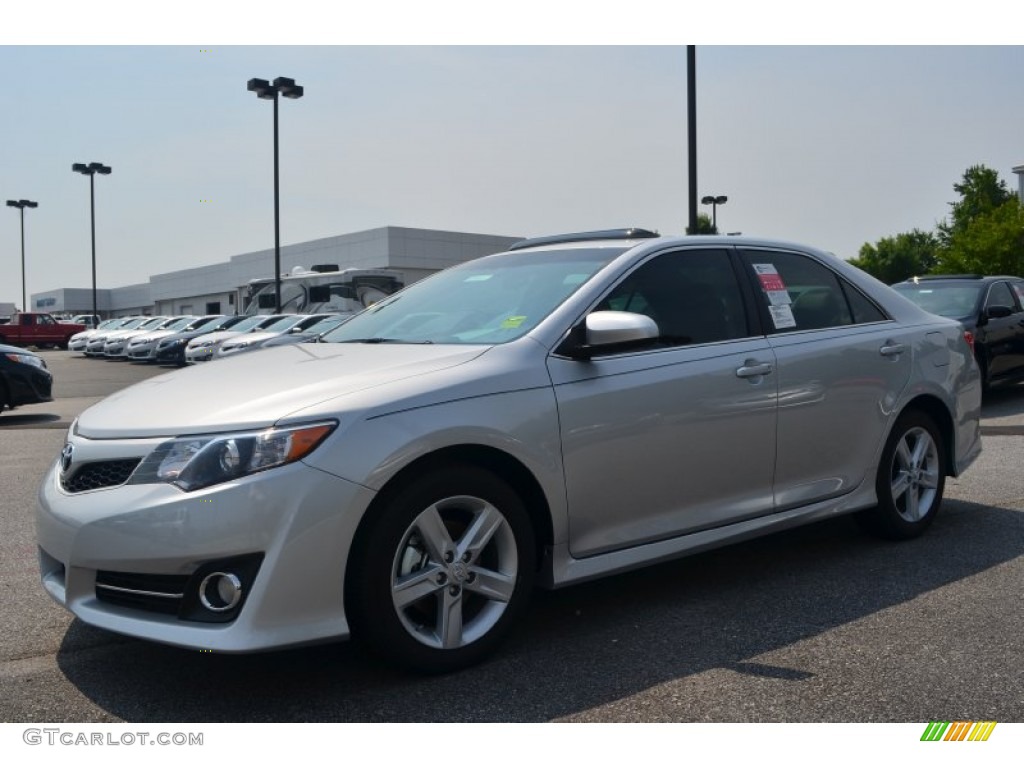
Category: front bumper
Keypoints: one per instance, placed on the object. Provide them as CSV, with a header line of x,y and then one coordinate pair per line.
x,y
170,354
145,353
199,355
27,384
300,520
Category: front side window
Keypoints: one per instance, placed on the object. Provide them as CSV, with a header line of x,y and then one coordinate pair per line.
x,y
692,295
999,296
1018,288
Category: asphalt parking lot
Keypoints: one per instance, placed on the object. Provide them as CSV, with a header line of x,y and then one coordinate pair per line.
x,y
820,624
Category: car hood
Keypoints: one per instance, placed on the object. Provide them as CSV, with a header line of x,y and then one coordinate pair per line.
x,y
254,391
258,336
213,338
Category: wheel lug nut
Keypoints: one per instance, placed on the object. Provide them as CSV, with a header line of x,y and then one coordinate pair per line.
x,y
466,556
454,591
470,577
442,578
448,557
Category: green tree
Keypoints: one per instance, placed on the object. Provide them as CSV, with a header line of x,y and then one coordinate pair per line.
x,y
704,226
981,192
991,243
893,259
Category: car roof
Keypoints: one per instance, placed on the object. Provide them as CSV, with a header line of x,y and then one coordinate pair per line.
x,y
955,279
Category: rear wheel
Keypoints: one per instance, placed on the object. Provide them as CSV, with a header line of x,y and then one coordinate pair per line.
x,y
910,480
443,570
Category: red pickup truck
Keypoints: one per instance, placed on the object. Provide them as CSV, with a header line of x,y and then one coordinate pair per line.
x,y
37,329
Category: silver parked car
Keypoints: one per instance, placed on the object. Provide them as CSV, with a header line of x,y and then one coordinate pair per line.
x,y
572,408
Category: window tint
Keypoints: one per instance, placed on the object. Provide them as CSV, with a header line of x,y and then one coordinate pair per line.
x,y
799,293
693,296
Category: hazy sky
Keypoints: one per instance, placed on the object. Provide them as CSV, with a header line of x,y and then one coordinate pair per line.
x,y
830,145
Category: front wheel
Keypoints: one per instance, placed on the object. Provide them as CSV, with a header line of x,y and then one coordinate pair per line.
x,y
910,480
442,571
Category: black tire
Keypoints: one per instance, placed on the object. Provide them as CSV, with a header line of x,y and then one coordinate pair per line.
x,y
423,596
910,481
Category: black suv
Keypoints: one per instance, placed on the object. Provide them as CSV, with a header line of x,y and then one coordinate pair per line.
x,y
990,307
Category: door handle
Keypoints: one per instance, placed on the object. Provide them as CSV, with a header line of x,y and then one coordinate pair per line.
x,y
752,368
891,350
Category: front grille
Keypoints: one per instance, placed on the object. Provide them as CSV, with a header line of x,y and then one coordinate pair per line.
x,y
99,474
142,591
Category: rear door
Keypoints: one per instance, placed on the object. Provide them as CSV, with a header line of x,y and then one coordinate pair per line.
x,y
842,364
1004,336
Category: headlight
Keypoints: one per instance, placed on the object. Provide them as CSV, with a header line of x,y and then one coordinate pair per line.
x,y
30,359
197,462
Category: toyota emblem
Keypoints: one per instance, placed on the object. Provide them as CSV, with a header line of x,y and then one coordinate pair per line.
x,y
65,457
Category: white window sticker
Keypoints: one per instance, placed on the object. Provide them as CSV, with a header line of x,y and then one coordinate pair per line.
x,y
772,285
782,316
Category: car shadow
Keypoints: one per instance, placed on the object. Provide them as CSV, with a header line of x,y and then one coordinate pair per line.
x,y
579,647
14,420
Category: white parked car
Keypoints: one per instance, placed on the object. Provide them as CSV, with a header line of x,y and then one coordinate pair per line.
x,y
203,348
95,345
79,340
116,345
142,348
250,342
569,409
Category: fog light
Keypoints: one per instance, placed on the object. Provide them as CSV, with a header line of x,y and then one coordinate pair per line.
x,y
220,591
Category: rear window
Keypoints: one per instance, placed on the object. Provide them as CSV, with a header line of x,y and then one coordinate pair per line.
x,y
956,300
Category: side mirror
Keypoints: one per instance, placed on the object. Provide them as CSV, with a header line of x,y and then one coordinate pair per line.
x,y
609,331
997,311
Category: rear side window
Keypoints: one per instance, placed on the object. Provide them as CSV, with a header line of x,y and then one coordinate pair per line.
x,y
801,294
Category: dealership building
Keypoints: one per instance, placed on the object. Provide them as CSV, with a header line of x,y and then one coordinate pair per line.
x,y
217,289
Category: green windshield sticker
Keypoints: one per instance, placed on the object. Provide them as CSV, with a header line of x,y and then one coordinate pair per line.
x,y
477,278
513,322
575,279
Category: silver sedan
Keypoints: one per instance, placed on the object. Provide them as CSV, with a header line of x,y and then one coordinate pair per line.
x,y
574,407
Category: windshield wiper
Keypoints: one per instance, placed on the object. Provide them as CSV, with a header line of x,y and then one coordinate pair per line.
x,y
382,340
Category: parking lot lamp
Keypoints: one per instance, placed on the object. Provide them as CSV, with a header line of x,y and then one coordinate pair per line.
x,y
714,202
23,204
91,170
286,87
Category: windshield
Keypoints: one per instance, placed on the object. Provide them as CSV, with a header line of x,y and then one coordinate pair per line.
x,y
486,301
327,324
213,325
956,300
178,325
283,324
255,321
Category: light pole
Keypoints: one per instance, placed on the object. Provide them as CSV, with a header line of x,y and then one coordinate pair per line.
x,y
23,204
264,90
714,202
91,170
